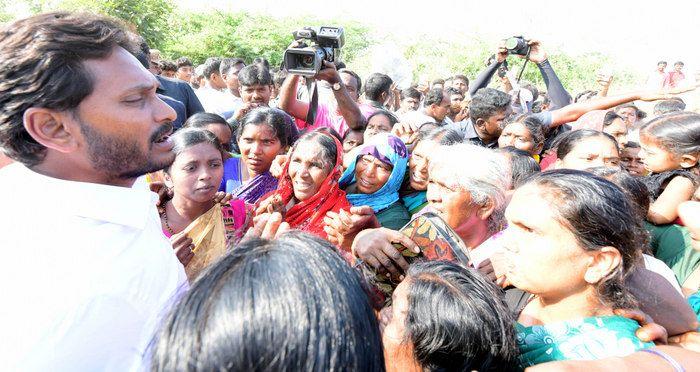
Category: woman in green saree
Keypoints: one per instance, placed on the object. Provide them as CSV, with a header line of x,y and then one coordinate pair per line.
x,y
571,258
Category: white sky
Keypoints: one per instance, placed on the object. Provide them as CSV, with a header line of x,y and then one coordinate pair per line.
x,y
634,33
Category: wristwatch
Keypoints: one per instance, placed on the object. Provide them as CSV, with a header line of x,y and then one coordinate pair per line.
x,y
336,87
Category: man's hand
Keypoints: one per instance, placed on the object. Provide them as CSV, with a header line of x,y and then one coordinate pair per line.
x,y
183,246
690,341
406,131
243,111
267,226
537,52
374,246
648,330
501,53
328,73
342,227
164,192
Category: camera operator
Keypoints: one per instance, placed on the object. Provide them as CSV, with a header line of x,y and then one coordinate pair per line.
x,y
345,85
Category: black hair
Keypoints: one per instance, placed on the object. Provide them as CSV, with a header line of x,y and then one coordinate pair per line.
x,y
434,97
188,137
289,304
669,105
634,188
262,61
677,132
457,320
203,119
183,62
228,63
353,74
412,93
532,88
610,117
254,74
452,91
569,140
660,62
273,119
461,77
329,150
166,65
522,165
585,95
443,136
278,77
212,66
534,125
376,85
487,102
332,132
42,65
679,63
640,114
599,214
392,118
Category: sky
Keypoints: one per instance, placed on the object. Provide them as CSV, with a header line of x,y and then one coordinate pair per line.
x,y
634,33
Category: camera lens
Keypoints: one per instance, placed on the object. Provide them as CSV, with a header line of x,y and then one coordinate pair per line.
x,y
512,43
307,61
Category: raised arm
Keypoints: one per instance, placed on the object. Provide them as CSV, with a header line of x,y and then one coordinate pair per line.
x,y
484,78
557,94
288,98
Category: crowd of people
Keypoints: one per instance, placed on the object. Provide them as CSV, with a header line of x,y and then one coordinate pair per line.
x,y
226,217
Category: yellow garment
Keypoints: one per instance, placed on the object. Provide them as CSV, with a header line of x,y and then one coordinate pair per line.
x,y
208,235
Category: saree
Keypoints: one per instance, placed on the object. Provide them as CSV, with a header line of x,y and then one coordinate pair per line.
x,y
254,189
581,339
388,149
308,215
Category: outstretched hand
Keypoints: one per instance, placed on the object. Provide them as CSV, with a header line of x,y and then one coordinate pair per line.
x,y
267,226
374,246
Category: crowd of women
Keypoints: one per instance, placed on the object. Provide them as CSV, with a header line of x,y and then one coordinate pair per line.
x,y
588,260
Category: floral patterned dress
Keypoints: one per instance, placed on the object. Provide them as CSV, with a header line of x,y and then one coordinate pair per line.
x,y
580,339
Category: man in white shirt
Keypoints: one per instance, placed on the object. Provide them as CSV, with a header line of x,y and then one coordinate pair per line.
x,y
88,273
211,94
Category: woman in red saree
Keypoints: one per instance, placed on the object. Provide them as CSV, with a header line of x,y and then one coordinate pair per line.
x,y
308,187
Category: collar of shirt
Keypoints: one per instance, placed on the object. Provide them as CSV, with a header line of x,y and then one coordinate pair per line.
x,y
128,206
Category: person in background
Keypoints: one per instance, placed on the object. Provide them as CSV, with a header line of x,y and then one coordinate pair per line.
x,y
657,79
631,161
410,100
185,69
585,148
377,91
461,83
167,68
197,80
675,104
437,84
675,77
436,106
211,93
456,97
229,69
82,137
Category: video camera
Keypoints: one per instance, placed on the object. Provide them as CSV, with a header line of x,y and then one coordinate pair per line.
x,y
517,45
308,60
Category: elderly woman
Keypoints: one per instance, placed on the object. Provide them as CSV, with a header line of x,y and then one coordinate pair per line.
x,y
586,237
199,228
472,331
308,188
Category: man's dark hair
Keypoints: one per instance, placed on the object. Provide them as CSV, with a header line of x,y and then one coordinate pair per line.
x,y
376,85
262,61
434,97
211,66
412,93
679,63
183,62
533,89
487,102
461,77
662,62
42,65
669,105
353,74
452,91
255,74
228,63
166,65
278,77
438,81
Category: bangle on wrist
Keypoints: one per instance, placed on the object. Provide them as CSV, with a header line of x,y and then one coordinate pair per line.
x,y
676,366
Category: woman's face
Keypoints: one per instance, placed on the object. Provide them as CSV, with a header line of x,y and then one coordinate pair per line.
x,y
377,124
591,152
307,169
196,172
259,146
538,243
617,129
222,133
371,174
518,136
418,165
453,205
352,139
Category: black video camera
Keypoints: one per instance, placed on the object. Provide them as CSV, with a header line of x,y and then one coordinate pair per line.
x,y
517,45
308,60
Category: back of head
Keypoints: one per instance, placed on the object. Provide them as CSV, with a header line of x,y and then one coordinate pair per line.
x,y
457,320
377,84
202,119
487,102
42,65
211,66
668,106
522,165
434,97
634,188
443,136
228,63
290,304
410,93
255,74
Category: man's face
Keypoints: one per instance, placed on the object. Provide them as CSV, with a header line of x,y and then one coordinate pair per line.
x,y
456,103
216,81
678,67
350,85
154,67
661,67
438,112
184,73
124,125
256,94
410,104
231,78
490,129
461,85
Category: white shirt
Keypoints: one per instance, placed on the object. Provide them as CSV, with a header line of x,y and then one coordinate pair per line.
x,y
87,273
216,101
416,118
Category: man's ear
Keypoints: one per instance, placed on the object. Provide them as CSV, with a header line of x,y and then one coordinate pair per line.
x,y
480,122
51,129
689,160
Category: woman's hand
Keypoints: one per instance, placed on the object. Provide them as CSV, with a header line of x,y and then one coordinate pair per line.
x,y
271,205
183,246
342,227
277,166
374,246
267,226
689,340
222,197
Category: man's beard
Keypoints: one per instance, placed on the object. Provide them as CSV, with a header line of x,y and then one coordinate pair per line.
x,y
120,158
